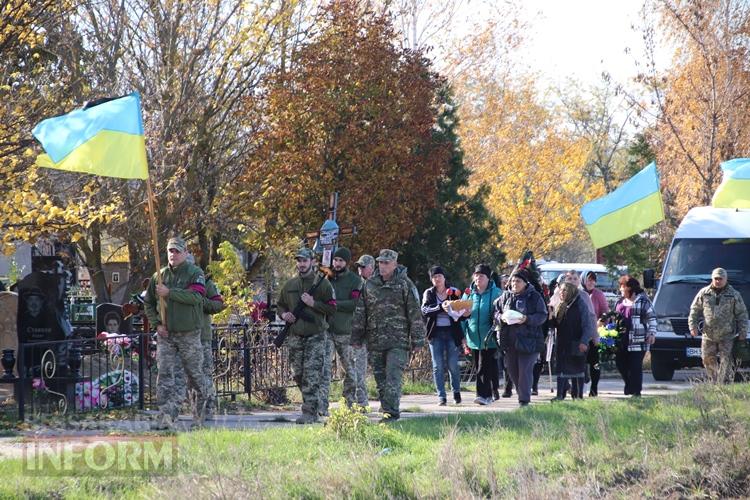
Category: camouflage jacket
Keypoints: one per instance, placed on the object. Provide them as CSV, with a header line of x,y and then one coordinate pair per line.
x,y
347,286
723,313
314,319
212,303
388,314
187,287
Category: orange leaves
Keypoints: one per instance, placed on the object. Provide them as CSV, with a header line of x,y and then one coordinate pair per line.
x,y
352,113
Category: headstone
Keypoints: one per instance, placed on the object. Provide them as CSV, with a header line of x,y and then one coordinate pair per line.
x,y
109,318
41,316
8,334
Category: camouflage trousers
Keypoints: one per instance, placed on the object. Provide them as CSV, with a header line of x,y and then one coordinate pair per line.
x,y
717,358
388,368
343,348
176,352
208,370
359,367
306,355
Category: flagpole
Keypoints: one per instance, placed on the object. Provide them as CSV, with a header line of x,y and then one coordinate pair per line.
x,y
155,241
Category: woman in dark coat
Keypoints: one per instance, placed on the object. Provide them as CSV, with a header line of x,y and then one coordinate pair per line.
x,y
521,340
574,330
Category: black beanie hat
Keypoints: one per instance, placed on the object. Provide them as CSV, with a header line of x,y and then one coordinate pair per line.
x,y
343,253
483,269
522,274
437,270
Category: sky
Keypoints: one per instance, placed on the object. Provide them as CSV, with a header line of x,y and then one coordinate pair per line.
x,y
583,38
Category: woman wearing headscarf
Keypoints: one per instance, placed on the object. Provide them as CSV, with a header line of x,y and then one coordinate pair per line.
x,y
640,319
574,331
519,314
444,334
478,329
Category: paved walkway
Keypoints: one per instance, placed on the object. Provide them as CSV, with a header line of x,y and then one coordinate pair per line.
x,y
412,406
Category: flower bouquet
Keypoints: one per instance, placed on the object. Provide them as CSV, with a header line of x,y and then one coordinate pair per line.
x,y
611,334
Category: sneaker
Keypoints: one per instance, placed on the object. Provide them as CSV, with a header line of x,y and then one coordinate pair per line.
x,y
306,418
482,401
443,401
388,418
457,398
534,392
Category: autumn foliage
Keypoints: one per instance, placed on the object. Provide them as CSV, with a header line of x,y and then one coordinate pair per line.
x,y
352,113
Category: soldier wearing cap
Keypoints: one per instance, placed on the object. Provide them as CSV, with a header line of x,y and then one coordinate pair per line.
x,y
366,266
365,269
307,334
183,289
724,317
346,286
389,319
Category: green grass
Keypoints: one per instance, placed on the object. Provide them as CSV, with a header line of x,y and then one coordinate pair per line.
x,y
694,444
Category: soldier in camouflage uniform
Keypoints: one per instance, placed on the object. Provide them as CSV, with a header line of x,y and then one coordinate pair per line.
x,y
346,286
183,289
725,317
389,319
365,268
307,335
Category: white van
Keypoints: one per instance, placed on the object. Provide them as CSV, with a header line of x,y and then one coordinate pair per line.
x,y
706,239
604,279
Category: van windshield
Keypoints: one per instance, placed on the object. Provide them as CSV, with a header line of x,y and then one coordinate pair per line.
x,y
692,260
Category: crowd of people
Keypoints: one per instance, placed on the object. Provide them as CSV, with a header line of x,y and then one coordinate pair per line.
x,y
509,326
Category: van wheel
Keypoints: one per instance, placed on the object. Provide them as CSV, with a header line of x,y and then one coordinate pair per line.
x,y
661,369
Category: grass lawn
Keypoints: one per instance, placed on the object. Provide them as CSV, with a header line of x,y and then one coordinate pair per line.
x,y
695,444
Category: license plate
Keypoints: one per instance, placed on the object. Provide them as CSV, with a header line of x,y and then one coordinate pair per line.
x,y
693,352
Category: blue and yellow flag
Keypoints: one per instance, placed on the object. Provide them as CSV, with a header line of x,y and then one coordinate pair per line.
x,y
105,139
633,207
734,190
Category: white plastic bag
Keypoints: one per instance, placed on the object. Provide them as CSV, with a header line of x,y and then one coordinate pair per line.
x,y
512,317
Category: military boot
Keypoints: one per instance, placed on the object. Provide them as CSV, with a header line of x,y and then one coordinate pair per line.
x,y
306,418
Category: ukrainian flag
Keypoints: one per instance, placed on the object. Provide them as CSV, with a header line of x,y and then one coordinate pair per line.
x,y
734,190
105,139
633,207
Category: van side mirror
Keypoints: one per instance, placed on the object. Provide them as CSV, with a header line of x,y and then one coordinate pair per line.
x,y
649,280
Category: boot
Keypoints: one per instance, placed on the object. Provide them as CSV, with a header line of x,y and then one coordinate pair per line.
x,y
306,418
457,398
596,373
561,389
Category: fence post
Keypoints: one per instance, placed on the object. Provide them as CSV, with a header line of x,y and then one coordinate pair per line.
x,y
246,370
21,384
141,358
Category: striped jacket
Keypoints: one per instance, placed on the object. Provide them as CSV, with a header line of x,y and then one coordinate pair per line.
x,y
643,322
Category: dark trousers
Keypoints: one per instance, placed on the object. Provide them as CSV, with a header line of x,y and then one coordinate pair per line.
x,y
520,367
486,364
592,358
630,366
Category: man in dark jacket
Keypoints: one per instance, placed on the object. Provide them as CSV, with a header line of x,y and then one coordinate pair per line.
x,y
307,334
346,286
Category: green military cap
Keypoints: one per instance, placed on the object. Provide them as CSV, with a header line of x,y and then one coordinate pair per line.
x,y
304,253
366,260
177,243
387,255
